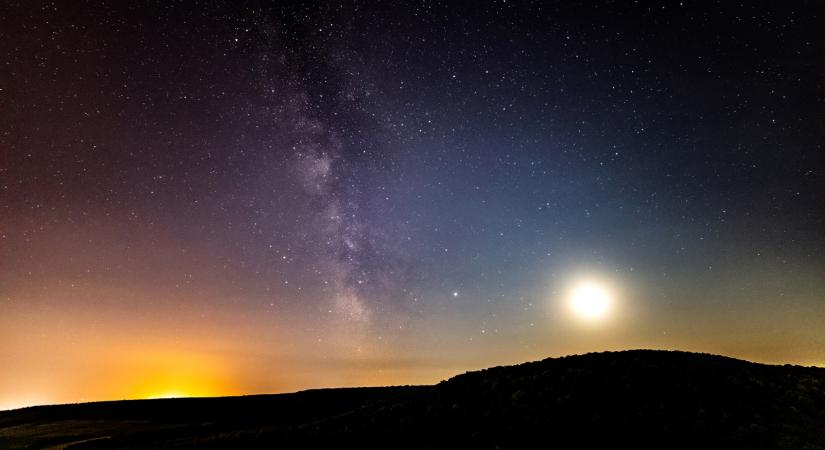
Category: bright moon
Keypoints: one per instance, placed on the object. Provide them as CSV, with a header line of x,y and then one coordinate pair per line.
x,y
590,301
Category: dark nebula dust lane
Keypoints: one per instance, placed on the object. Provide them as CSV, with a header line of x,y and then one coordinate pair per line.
x,y
227,198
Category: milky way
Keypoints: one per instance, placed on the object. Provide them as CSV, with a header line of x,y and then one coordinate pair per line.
x,y
313,115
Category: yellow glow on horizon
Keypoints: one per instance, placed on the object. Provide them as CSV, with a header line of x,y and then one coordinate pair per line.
x,y
176,387
179,374
168,395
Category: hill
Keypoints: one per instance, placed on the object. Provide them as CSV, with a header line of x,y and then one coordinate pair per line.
x,y
633,399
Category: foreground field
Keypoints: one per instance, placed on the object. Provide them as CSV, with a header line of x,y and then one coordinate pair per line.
x,y
643,399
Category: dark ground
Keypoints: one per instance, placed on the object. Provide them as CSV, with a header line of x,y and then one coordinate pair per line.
x,y
632,399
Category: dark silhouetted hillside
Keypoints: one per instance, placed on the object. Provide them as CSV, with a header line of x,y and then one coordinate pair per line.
x,y
632,399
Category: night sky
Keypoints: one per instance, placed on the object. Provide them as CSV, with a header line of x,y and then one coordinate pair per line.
x,y
215,198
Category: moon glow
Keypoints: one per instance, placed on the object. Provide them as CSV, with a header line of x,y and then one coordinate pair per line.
x,y
590,301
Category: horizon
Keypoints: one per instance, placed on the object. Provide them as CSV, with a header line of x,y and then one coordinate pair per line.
x,y
81,402
265,197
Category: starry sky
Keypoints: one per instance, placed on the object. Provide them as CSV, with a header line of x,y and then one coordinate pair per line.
x,y
219,198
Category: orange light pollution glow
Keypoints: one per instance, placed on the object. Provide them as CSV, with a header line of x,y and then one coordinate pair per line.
x,y
49,356
75,365
167,375
54,357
